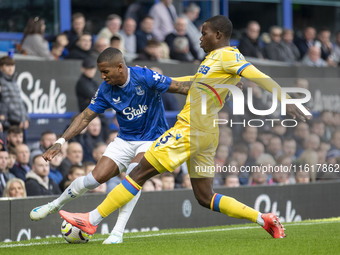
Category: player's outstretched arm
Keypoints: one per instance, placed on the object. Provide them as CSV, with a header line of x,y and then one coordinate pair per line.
x,y
77,125
180,85
264,81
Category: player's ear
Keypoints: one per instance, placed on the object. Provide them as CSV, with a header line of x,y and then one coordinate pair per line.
x,y
218,35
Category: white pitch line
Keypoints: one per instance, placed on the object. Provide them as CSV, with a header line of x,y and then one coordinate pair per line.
x,y
172,233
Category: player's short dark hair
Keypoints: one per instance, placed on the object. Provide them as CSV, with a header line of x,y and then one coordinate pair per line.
x,y
109,55
222,24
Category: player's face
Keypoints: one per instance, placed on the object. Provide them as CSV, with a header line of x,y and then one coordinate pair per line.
x,y
208,38
110,73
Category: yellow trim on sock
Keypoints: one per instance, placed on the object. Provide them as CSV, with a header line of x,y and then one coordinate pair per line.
x,y
133,182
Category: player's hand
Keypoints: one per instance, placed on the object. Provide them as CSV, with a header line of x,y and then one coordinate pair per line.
x,y
52,152
296,113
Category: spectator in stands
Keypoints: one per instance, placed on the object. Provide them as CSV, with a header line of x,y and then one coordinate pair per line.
x,y
47,139
249,43
15,137
98,151
258,177
327,118
318,128
148,186
289,148
226,137
249,135
144,33
164,15
280,177
37,181
91,137
290,52
77,29
232,181
334,151
274,147
82,47
324,43
86,86
301,134
3,169
279,129
112,27
101,44
181,47
115,42
221,156
334,58
274,49
16,113
12,158
74,156
191,14
21,166
186,183
256,149
33,41
62,40
313,58
168,181
55,173
73,173
89,166
264,136
312,142
308,160
153,51
128,35
57,50
15,188
111,136
302,176
307,41
137,10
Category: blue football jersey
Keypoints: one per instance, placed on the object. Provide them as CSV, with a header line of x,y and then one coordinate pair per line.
x,y
138,104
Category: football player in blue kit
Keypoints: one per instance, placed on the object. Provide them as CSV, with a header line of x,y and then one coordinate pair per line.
x,y
135,94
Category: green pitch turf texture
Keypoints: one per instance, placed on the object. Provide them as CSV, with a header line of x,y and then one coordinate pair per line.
x,y
307,237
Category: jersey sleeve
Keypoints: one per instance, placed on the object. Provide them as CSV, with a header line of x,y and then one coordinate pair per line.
x,y
234,62
98,103
156,81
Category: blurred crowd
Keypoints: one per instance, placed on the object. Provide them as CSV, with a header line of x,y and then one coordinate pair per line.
x,y
161,34
308,152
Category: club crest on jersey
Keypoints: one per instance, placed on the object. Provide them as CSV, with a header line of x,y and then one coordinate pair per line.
x,y
139,91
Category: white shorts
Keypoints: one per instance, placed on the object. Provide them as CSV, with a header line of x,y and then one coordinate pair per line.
x,y
123,152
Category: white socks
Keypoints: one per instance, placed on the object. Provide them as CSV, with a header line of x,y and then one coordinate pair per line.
x,y
124,212
259,220
77,188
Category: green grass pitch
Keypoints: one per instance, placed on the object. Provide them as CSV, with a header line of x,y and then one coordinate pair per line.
x,y
307,237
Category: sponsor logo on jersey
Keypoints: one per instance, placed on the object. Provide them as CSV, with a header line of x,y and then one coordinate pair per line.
x,y
132,113
116,101
139,91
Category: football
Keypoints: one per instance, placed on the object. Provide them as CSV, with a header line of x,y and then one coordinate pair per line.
x,y
73,234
